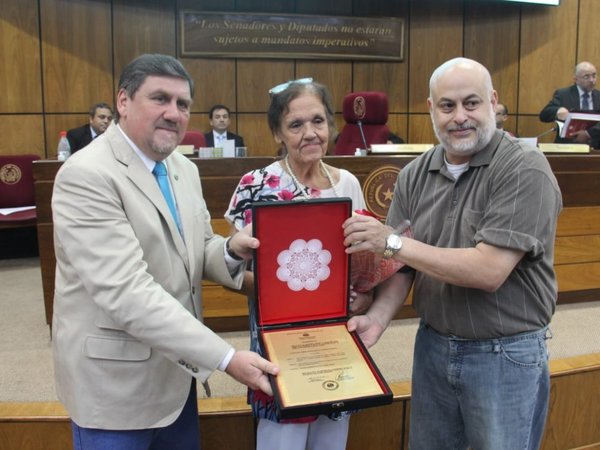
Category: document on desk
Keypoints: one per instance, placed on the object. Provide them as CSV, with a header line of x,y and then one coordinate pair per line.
x,y
318,365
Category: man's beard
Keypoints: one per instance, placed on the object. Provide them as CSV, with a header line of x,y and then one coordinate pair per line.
x,y
466,147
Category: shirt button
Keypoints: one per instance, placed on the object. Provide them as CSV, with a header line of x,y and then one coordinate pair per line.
x,y
193,290
182,362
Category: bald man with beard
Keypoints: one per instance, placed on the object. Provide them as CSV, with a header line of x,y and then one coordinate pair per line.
x,y
483,209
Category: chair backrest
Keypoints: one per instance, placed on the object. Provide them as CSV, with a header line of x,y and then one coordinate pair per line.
x,y
16,180
195,138
371,109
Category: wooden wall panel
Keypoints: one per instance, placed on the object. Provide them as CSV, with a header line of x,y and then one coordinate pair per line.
x,y
571,422
434,24
84,44
29,139
214,81
142,26
20,74
391,78
548,53
420,129
589,32
398,124
77,68
256,77
257,136
492,38
579,221
336,75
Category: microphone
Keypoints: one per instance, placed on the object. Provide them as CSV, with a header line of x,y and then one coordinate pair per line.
x,y
554,128
362,134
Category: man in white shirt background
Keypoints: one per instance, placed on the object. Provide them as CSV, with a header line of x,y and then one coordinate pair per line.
x,y
219,117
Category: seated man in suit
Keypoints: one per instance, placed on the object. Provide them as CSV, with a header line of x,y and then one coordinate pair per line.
x,y
100,117
581,96
219,118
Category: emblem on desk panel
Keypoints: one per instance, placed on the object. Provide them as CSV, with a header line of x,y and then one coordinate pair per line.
x,y
378,189
10,174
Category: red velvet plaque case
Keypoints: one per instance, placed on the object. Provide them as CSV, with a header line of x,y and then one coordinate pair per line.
x,y
301,282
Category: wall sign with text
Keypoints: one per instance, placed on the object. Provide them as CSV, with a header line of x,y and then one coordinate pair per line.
x,y
245,35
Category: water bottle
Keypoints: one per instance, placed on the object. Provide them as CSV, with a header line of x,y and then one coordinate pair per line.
x,y
63,150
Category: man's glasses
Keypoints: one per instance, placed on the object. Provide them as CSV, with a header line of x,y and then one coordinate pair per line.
x,y
283,86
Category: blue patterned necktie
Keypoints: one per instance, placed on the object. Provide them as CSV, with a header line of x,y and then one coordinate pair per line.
x,y
585,101
160,173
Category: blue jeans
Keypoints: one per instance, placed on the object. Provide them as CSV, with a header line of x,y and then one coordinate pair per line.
x,y
487,394
183,434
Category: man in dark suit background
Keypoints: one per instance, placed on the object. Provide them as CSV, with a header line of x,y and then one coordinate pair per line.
x,y
100,118
219,118
581,96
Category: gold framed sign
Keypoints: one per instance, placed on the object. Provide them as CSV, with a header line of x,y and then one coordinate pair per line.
x,y
249,35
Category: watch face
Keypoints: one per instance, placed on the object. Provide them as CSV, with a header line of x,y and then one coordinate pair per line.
x,y
394,242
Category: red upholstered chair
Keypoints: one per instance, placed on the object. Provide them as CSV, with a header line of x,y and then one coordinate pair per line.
x,y
371,109
17,190
195,138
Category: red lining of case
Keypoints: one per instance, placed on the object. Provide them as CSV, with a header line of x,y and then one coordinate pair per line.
x,y
302,220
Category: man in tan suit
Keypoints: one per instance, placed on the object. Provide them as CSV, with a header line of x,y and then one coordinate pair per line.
x,y
127,329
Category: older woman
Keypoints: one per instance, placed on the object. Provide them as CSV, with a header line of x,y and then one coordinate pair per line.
x,y
301,119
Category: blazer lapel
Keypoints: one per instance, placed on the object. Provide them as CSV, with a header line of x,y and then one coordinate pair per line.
x,y
141,177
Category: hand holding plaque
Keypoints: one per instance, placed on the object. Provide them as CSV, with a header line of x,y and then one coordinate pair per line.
x,y
369,269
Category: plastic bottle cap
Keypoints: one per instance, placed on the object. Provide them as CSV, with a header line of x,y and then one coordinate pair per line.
x,y
63,134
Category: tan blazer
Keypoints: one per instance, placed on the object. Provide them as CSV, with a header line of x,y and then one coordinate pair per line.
x,y
127,331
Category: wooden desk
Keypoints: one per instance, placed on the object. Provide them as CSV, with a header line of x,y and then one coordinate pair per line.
x,y
577,252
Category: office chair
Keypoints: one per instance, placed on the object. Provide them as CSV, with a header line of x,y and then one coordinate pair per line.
x,y
368,110
195,138
17,190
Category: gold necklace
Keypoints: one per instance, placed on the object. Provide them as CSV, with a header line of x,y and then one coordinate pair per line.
x,y
304,188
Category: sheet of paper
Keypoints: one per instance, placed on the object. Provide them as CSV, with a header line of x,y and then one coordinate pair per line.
x,y
7,211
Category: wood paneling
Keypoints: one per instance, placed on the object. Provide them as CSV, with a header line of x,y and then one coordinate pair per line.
x,y
420,129
337,76
434,24
492,38
571,422
257,135
23,133
20,74
391,78
77,54
84,44
256,77
142,26
548,53
589,32
579,221
214,81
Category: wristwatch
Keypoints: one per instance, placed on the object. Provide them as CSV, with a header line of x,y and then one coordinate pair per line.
x,y
393,244
230,251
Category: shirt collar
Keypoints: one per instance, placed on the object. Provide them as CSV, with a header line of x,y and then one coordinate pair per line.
x,y
149,163
481,158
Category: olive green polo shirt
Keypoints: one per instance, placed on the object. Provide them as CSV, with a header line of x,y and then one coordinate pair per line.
x,y
508,198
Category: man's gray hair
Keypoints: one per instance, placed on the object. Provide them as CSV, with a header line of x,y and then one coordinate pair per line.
x,y
152,64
